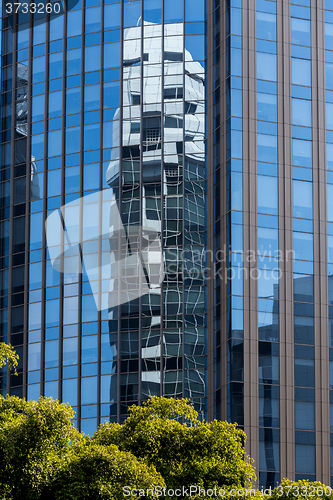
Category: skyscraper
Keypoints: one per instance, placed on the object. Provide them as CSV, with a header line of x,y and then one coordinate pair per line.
x,y
166,214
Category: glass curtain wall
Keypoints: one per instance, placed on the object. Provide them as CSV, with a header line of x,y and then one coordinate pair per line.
x,y
304,380
109,119
234,242
268,245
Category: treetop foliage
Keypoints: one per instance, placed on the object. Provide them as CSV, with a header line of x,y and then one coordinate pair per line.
x,y
187,452
161,446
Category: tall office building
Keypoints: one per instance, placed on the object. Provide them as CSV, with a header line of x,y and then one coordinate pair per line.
x,y
167,214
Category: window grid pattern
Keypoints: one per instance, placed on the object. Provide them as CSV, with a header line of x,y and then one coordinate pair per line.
x,y
84,105
268,245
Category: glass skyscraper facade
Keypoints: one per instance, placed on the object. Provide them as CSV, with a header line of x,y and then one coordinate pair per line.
x,y
166,214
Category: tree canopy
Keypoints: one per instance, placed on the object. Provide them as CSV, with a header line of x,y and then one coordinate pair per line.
x,y
43,456
160,447
166,433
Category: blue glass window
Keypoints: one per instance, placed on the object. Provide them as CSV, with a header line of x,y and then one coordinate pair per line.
x,y
267,107
73,61
266,66
300,32
302,153
302,199
112,16
93,19
267,148
51,354
69,351
74,22
266,26
173,11
69,391
303,246
92,58
301,112
300,72
73,97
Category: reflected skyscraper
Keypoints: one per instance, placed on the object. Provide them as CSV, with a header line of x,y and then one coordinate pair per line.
x,y
166,214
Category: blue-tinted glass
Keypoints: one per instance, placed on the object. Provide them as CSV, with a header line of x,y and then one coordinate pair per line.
x,y
55,104
266,66
33,357
267,240
111,55
303,246
330,202
92,58
111,94
89,309
132,13
173,11
302,153
302,199
38,108
38,33
329,116
56,27
235,22
89,390
328,36
112,16
195,11
70,351
329,76
305,458
267,195
73,61
72,179
266,26
91,136
72,140
300,72
300,32
301,112
267,107
267,148
53,182
69,391
38,69
152,11
93,19
195,45
54,142
36,228
73,97
74,23
52,312
304,415
51,353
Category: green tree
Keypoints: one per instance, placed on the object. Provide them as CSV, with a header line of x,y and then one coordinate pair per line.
x,y
43,457
8,355
34,438
101,472
167,434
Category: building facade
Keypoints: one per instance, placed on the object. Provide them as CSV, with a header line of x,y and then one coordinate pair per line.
x,y
167,214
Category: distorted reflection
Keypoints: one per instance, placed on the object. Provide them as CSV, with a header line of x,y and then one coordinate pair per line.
x,y
159,180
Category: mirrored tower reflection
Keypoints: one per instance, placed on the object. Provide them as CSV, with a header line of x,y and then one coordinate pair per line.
x,y
159,177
